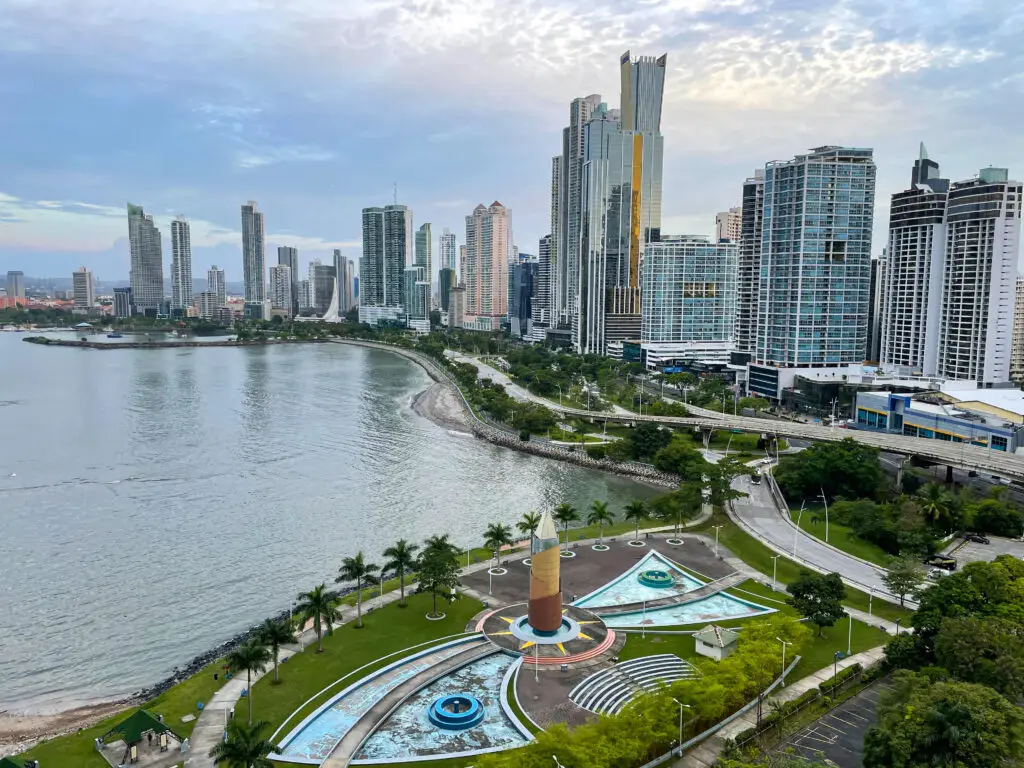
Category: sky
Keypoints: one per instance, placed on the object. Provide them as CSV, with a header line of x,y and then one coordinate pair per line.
x,y
318,108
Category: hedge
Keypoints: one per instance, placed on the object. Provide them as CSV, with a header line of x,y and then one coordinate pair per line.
x,y
829,685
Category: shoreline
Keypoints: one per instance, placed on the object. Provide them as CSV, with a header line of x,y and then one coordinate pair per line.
x,y
48,342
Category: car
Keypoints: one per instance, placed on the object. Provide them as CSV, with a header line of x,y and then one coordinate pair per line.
x,y
937,573
972,473
944,562
977,538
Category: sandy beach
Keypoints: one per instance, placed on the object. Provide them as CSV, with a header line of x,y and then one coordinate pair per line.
x,y
19,732
442,406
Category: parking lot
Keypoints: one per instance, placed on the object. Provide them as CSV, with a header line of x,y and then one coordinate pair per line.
x,y
967,552
838,737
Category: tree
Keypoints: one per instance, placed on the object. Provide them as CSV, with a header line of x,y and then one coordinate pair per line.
x,y
361,572
676,506
401,558
988,651
680,457
528,526
251,656
905,575
961,725
719,479
439,569
753,403
495,537
934,504
274,634
563,515
647,438
846,469
244,747
320,605
635,511
819,598
600,516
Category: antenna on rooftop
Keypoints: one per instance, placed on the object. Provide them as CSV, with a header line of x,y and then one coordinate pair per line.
x,y
396,191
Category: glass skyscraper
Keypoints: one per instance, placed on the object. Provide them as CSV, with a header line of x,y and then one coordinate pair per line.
x,y
815,261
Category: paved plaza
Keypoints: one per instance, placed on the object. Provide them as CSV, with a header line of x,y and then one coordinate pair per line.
x,y
969,551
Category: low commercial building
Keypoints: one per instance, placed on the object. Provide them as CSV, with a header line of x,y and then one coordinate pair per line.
x,y
988,418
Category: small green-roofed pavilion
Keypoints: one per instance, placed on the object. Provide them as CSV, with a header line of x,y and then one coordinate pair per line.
x,y
13,762
135,728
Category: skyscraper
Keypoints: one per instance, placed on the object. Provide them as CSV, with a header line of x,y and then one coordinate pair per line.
x,y
253,254
423,256
215,284
488,245
343,269
877,302
621,208
350,285
281,301
445,282
321,286
983,217
751,216
557,246
181,264
417,298
289,257
456,307
813,289
913,272
124,305
16,284
147,261
522,275
541,300
1017,353
387,249
729,225
448,251
81,281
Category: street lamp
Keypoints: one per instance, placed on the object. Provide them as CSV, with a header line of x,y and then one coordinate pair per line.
x,y
681,708
559,393
775,569
898,626
849,634
825,502
717,528
835,671
556,762
784,644
727,446
796,533
871,597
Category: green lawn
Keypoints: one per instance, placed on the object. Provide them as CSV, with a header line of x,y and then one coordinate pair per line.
x,y
841,537
77,749
386,631
816,654
757,555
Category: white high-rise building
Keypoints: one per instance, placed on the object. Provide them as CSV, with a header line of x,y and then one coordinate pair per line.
x,y
215,284
206,304
181,264
387,250
81,281
16,284
253,256
423,256
556,247
289,256
752,214
729,225
447,244
281,290
147,261
488,246
1017,355
321,286
982,233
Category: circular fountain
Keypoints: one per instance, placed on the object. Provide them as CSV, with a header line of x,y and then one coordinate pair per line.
x,y
456,712
656,579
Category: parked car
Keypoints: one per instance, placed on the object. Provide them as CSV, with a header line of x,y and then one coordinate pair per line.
x,y
977,538
937,573
945,562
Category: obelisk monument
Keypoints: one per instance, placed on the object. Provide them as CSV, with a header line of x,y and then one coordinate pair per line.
x,y
545,609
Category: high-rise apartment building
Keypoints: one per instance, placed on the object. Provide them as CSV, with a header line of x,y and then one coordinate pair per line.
x,y
305,297
351,282
815,265
456,307
522,282
729,225
124,305
689,298
445,282
344,268
913,271
181,264
417,298
289,257
387,250
541,301
215,284
621,208
556,290
253,254
16,285
1017,353
488,245
147,261
206,304
751,220
281,300
423,255
982,233
448,251
321,286
462,265
81,281
875,307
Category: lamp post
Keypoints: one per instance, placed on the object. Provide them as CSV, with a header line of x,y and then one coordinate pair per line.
x,y
775,569
556,762
784,644
835,671
717,529
825,502
681,708
898,626
559,388
849,634
727,445
796,533
871,597
490,578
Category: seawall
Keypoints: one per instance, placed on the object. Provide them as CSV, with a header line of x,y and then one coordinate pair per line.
x,y
46,342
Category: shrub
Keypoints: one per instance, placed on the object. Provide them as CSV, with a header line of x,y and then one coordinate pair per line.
x,y
844,675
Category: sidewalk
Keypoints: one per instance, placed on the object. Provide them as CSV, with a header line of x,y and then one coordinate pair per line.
x,y
705,754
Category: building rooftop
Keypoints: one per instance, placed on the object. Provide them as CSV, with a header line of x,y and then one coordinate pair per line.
x,y
717,636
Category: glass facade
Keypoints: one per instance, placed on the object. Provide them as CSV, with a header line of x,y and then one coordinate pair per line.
x,y
813,286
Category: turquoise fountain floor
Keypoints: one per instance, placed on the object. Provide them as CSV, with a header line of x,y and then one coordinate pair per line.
x,y
707,610
409,734
627,589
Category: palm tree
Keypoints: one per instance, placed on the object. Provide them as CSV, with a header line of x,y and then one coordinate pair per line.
x,y
361,572
565,514
244,747
401,558
635,511
529,524
320,605
252,656
600,516
934,501
495,537
274,634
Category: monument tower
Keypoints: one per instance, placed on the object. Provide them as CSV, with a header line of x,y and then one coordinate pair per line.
x,y
545,606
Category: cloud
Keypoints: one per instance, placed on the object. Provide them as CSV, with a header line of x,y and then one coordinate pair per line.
x,y
256,157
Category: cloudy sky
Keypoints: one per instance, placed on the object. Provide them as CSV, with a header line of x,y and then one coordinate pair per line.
x,y
315,108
